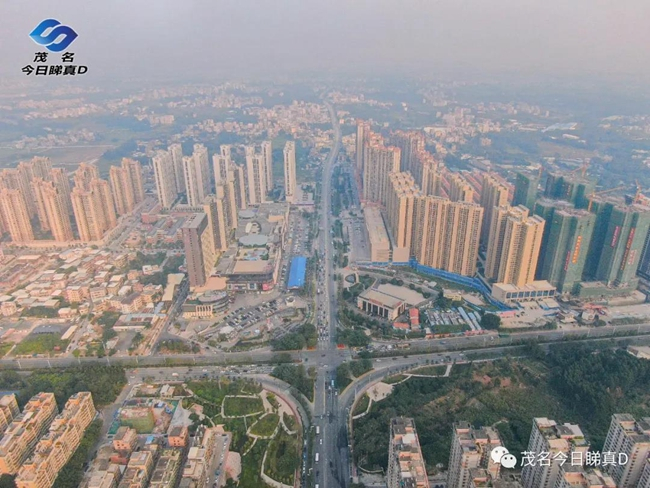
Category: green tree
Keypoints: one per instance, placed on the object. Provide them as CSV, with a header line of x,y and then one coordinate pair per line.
x,y
490,321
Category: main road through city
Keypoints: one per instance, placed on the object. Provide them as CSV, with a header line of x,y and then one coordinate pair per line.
x,y
331,469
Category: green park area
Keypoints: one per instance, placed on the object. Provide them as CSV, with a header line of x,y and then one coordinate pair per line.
x,y
40,344
253,422
572,383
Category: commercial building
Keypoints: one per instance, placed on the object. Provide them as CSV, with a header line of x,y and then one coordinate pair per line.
x,y
565,244
560,441
297,273
494,193
401,201
290,171
512,294
57,446
406,466
632,438
446,234
255,176
525,190
165,177
471,448
380,250
24,431
513,246
16,215
381,303
379,162
200,254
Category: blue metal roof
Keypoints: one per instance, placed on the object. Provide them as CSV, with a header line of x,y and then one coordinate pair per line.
x,y
297,272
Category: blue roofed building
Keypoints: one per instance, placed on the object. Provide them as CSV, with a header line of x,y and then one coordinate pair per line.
x,y
297,273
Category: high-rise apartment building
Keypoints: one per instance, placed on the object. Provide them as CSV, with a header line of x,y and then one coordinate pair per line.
x,y
214,208
239,185
494,193
578,477
380,161
56,447
197,175
37,185
632,438
363,133
431,180
447,234
406,466
617,244
513,246
267,155
525,190
25,430
93,210
411,145
134,180
8,411
16,215
470,449
18,179
54,208
59,177
121,190
221,165
84,174
568,187
255,176
199,252
290,171
401,201
547,436
176,154
37,167
164,175
567,234
459,188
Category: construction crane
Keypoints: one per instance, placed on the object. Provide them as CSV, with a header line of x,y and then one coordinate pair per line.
x,y
638,196
582,169
604,192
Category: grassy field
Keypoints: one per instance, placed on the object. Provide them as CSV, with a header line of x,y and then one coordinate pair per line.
x,y
239,406
394,379
362,405
40,344
266,425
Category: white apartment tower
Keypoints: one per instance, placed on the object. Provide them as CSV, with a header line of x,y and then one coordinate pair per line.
x,y
290,171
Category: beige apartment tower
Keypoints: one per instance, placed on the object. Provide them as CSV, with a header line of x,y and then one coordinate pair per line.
x,y
290,171
16,215
214,208
401,200
199,250
470,449
630,437
459,188
59,177
176,153
267,155
121,190
446,234
54,207
406,466
164,175
25,430
18,179
363,132
8,411
560,441
494,193
514,243
380,161
84,174
93,210
255,176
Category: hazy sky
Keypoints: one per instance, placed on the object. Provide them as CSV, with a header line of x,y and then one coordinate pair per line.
x,y
194,38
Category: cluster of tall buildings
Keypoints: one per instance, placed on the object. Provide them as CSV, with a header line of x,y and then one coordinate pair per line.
x,y
37,443
216,206
557,456
569,239
36,197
